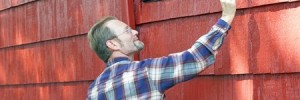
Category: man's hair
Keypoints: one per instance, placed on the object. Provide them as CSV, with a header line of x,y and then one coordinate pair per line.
x,y
98,35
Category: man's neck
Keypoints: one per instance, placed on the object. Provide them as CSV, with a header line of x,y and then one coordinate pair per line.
x,y
119,54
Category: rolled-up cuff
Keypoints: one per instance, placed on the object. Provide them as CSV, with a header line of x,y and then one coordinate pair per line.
x,y
223,25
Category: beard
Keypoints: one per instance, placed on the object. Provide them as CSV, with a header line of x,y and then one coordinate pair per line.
x,y
139,45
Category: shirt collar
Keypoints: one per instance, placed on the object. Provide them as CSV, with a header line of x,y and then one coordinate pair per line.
x,y
117,59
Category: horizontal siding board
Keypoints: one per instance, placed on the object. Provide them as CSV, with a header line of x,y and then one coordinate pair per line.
x,y
168,9
214,88
238,87
51,91
281,87
252,46
68,59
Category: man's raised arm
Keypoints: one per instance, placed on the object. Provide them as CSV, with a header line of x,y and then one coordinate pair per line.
x,y
169,70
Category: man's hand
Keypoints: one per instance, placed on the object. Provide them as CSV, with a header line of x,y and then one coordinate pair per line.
x,y
228,10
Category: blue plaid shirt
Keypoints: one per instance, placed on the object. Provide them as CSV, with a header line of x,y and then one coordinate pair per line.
x,y
149,78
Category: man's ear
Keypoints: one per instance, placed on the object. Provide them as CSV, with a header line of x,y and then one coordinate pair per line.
x,y
113,45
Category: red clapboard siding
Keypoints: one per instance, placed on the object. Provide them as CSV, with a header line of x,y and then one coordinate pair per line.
x,y
44,53
252,46
167,9
51,91
5,4
6,32
41,47
51,19
68,59
238,87
19,2
268,43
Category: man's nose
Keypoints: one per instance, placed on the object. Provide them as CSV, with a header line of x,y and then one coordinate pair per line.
x,y
134,32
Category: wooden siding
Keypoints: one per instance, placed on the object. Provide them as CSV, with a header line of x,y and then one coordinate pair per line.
x,y
44,53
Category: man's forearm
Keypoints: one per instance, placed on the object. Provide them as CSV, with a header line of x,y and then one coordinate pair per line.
x,y
228,10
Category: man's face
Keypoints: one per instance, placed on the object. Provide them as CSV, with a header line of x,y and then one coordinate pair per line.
x,y
126,37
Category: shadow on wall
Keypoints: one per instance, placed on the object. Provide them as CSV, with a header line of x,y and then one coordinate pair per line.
x,y
253,41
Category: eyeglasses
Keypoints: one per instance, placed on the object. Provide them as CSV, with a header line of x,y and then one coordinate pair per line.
x,y
127,30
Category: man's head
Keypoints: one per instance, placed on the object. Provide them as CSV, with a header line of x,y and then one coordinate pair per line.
x,y
110,35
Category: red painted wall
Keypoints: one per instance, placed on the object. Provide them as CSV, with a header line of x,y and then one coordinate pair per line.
x,y
44,52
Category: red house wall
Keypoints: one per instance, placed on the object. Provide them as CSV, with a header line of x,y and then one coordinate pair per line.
x,y
44,53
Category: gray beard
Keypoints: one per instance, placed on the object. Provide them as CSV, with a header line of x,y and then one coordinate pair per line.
x,y
139,45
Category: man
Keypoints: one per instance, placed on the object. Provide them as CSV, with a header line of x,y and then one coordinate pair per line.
x,y
116,43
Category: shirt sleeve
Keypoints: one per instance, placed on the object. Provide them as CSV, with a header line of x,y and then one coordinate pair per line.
x,y
166,71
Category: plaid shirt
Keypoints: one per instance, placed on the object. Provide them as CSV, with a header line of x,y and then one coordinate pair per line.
x,y
149,78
